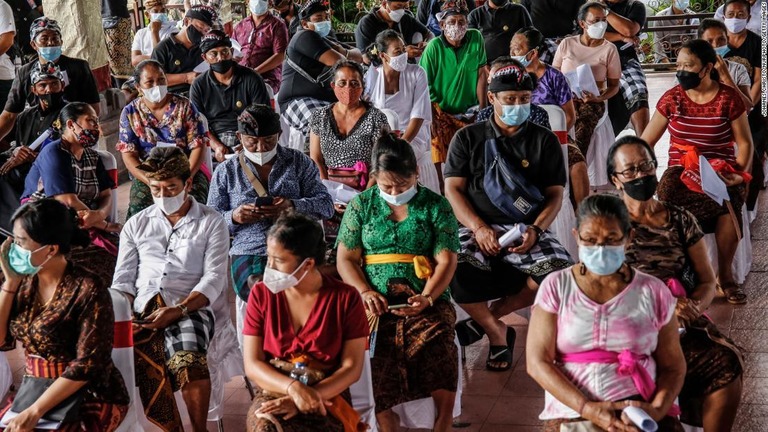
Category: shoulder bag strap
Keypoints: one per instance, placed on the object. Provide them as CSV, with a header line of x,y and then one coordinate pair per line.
x,y
257,186
300,71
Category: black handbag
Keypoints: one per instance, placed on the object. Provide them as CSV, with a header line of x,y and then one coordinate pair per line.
x,y
508,190
32,388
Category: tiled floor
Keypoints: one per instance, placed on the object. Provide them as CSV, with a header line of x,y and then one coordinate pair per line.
x,y
510,401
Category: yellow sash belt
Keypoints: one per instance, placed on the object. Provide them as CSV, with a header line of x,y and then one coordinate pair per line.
x,y
421,264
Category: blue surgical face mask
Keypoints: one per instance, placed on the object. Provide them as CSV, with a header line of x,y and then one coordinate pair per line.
x,y
401,198
723,50
20,260
523,61
515,115
50,54
602,260
259,7
323,28
158,17
682,4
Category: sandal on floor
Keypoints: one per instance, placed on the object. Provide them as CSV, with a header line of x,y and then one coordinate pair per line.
x,y
502,354
469,332
733,293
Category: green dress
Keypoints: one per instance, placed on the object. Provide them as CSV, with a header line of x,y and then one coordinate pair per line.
x,y
429,229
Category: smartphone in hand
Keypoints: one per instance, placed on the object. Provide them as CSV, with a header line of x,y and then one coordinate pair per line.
x,y
264,201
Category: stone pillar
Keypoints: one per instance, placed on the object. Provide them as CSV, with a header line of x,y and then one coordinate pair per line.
x,y
82,34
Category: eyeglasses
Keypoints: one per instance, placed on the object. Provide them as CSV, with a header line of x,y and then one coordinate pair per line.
x,y
223,54
644,167
607,242
351,83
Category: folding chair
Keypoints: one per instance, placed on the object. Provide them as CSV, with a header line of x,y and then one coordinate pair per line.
x,y
110,164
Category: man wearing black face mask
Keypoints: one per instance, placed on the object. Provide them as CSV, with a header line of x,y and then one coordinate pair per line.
x,y
498,20
223,92
179,54
48,87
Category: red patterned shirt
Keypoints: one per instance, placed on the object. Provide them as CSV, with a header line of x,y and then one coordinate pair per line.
x,y
707,127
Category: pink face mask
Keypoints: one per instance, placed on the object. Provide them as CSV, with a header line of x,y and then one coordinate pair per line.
x,y
348,95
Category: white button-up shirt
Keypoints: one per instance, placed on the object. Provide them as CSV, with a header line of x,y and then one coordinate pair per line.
x,y
142,41
173,261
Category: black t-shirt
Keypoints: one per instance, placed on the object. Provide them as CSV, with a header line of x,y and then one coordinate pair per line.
x,y
748,54
222,104
554,18
177,59
498,26
532,143
23,15
32,122
372,24
114,8
304,49
81,86
632,10
295,25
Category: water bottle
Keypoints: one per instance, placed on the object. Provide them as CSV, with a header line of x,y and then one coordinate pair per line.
x,y
300,373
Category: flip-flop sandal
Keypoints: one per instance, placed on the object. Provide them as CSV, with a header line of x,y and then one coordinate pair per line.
x,y
502,354
469,332
733,293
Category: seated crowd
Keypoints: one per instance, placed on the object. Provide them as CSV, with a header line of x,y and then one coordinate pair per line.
x,y
355,198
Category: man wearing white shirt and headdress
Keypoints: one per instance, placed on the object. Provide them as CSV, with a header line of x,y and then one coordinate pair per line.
x,y
173,264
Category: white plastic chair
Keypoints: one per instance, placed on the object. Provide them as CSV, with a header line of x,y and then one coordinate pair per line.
x,y
272,98
122,356
110,164
418,414
566,218
602,139
219,355
362,395
742,261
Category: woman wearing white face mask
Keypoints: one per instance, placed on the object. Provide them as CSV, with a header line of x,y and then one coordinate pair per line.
x,y
297,316
254,187
407,237
402,87
160,119
604,336
592,49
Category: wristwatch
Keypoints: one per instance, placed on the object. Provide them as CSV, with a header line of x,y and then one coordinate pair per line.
x,y
184,310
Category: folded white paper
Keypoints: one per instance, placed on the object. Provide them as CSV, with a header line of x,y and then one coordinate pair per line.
x,y
582,80
711,183
641,419
40,140
41,424
237,49
341,193
165,144
510,237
